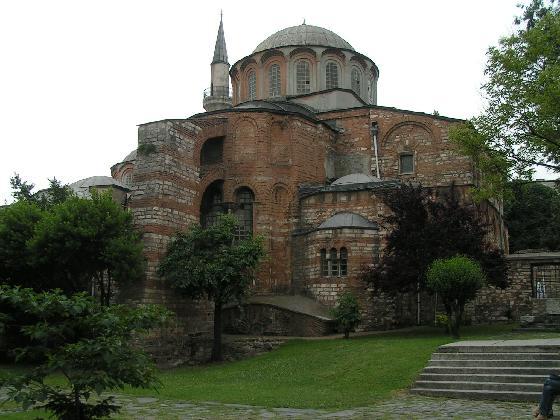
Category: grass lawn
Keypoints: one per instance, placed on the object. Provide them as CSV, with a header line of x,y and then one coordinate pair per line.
x,y
329,373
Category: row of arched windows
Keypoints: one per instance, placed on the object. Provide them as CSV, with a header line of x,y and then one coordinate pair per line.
x,y
303,79
334,263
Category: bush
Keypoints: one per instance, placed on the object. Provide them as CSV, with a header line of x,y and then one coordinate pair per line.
x,y
347,313
89,344
456,281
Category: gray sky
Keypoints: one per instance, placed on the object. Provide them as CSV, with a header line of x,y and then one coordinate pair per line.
x,y
76,77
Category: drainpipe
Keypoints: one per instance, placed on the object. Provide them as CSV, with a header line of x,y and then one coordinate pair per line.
x,y
374,132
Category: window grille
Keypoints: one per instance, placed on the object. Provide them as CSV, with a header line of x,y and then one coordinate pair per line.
x,y
274,80
407,163
332,75
546,281
252,84
244,212
303,80
356,81
212,204
333,263
343,262
324,265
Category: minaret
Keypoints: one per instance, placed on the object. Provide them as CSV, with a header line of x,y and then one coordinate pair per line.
x,y
218,95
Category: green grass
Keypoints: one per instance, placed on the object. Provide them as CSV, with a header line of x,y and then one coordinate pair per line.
x,y
323,373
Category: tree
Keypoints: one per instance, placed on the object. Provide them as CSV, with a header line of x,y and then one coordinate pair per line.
x,y
56,193
456,281
210,262
62,241
520,127
424,229
347,313
87,343
532,214
81,241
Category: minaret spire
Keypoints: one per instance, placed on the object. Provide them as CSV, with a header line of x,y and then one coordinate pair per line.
x,y
218,95
220,51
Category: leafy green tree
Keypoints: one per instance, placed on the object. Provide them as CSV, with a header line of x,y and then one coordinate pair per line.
x,y
90,345
520,128
56,192
347,313
456,281
17,227
532,214
81,240
423,229
210,262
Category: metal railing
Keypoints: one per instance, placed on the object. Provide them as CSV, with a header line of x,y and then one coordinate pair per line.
x,y
222,91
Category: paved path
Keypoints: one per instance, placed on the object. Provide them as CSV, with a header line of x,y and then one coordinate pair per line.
x,y
404,406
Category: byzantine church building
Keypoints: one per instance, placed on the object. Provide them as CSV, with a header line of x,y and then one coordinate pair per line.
x,y
294,143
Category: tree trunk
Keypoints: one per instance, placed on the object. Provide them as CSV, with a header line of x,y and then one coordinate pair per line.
x,y
346,333
217,344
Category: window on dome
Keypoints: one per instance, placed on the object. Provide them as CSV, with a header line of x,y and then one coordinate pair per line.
x,y
333,263
332,75
356,81
274,80
303,79
252,85
406,163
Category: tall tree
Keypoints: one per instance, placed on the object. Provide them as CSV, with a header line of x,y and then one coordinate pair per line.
x,y
520,127
210,262
423,229
532,215
84,240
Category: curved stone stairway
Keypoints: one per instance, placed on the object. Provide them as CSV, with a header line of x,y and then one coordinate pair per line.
x,y
510,370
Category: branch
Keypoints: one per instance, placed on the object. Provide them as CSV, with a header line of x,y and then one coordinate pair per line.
x,y
532,162
541,136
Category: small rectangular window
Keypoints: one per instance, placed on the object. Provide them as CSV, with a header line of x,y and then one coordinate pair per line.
x,y
407,163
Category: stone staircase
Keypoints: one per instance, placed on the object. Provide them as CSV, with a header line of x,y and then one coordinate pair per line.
x,y
509,370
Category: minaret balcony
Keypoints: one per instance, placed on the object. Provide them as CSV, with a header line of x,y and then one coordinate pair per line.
x,y
216,98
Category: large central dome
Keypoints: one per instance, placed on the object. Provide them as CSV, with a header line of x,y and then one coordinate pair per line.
x,y
303,35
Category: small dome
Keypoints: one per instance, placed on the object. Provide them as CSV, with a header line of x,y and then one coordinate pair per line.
x,y
355,179
303,35
130,156
348,220
81,187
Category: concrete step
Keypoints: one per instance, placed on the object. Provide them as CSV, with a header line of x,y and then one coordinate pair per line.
x,y
481,386
552,364
474,377
479,395
492,356
499,349
488,370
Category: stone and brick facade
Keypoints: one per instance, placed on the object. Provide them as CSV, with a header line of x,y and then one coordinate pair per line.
x,y
304,170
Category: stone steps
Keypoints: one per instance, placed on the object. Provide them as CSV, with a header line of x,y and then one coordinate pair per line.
x,y
500,370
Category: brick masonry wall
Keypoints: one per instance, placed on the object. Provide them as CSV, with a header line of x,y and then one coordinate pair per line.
x,y
163,201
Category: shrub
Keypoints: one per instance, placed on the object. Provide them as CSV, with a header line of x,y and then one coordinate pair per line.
x,y
347,313
456,281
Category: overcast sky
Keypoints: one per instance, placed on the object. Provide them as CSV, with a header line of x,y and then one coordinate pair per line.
x,y
76,77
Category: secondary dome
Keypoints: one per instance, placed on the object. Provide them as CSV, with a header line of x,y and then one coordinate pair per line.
x,y
303,35
355,179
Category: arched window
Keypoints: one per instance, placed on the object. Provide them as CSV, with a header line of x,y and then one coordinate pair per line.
x,y
343,257
126,178
252,85
356,81
212,151
211,206
244,199
333,263
274,80
324,266
331,75
303,78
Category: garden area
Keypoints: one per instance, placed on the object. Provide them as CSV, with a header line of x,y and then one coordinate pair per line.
x,y
327,373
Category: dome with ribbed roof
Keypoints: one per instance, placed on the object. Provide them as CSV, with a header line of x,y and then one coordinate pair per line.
x,y
303,35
